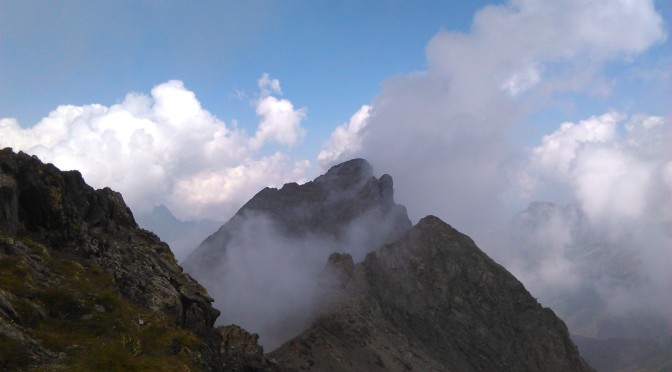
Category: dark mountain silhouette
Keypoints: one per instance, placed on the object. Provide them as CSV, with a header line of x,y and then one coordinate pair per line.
x,y
82,287
431,301
426,299
270,254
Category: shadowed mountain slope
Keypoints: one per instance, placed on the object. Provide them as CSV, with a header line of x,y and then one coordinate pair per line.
x,y
270,254
431,301
82,287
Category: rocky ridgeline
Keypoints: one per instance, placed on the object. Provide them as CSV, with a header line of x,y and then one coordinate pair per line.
x,y
431,301
347,195
82,286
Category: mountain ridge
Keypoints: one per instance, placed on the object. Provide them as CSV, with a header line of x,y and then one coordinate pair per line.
x,y
431,300
83,286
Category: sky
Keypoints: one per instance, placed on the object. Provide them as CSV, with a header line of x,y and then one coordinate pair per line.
x,y
470,106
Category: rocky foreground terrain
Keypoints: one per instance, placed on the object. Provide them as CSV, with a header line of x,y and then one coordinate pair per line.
x,y
82,287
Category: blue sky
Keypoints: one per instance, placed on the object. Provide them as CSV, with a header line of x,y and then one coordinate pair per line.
x,y
473,85
330,56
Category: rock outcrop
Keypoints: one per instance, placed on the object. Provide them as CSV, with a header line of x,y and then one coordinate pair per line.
x,y
269,255
431,301
81,285
347,197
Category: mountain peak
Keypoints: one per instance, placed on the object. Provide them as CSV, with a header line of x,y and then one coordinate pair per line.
x,y
431,300
347,173
296,228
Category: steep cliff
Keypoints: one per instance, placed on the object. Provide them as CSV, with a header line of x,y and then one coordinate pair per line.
x,y
431,301
82,286
269,255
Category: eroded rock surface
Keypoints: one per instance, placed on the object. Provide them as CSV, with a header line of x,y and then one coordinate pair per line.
x,y
66,252
431,301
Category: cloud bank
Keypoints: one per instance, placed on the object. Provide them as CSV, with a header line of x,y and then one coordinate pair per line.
x,y
454,123
164,148
613,241
448,135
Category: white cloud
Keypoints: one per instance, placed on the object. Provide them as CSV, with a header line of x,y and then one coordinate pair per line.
x,y
166,149
609,183
559,148
345,140
280,122
522,81
613,170
616,171
508,44
448,130
268,86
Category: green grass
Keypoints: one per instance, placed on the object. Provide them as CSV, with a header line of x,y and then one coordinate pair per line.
x,y
112,340
12,354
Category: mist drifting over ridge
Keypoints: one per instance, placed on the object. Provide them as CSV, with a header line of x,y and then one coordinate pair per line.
x,y
264,265
454,126
448,134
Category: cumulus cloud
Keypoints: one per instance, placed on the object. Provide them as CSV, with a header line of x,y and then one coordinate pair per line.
x,y
447,131
280,121
345,140
164,148
614,169
602,253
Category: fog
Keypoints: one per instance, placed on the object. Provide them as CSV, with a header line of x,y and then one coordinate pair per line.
x,y
264,266
451,136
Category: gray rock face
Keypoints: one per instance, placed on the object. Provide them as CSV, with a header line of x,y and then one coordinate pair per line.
x,y
55,234
347,196
270,254
431,301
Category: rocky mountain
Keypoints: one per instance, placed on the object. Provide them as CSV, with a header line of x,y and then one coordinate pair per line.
x,y
82,287
431,301
270,254
180,235
348,197
392,297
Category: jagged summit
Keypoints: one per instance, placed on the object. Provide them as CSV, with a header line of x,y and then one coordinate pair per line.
x,y
431,301
347,195
281,239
